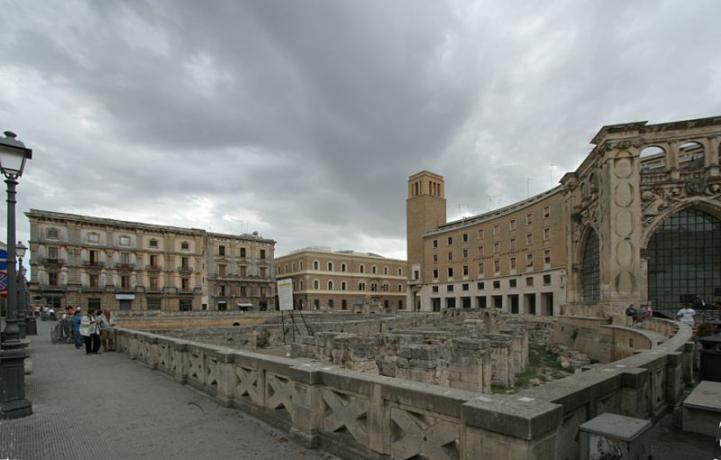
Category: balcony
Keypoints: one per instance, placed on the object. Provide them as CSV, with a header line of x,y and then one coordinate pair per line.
x,y
153,268
185,270
93,264
124,267
52,262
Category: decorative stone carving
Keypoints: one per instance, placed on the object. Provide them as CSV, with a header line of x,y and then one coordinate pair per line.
x,y
417,435
655,200
246,384
345,412
279,392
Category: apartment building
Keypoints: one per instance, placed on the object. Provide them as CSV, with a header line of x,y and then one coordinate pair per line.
x,y
95,262
340,280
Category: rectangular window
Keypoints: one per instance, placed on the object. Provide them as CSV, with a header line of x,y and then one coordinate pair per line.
x,y
512,283
465,253
465,270
184,262
546,212
496,265
496,247
52,233
546,234
547,256
243,270
153,261
94,281
93,257
450,240
125,282
153,243
449,288
124,241
221,270
263,272
480,251
435,273
529,239
450,256
93,237
464,287
496,285
262,254
481,286
185,284
435,243
465,237
450,272
53,253
512,225
153,283
529,219
185,304
221,250
513,263
529,260
435,258
546,280
242,252
243,291
434,288
125,258
512,244
262,292
529,281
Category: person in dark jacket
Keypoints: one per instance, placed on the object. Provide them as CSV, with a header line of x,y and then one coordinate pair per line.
x,y
77,318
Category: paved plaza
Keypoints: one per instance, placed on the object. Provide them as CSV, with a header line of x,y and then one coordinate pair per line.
x,y
108,406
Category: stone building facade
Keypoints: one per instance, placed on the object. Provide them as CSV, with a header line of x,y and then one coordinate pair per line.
x,y
639,221
240,272
340,280
96,262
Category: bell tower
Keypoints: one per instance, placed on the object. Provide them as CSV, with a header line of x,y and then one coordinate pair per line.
x,y
425,211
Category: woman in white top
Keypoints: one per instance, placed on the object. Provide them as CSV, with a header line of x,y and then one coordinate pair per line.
x,y
89,331
687,315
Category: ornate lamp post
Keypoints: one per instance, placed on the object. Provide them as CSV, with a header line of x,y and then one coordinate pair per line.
x,y
13,155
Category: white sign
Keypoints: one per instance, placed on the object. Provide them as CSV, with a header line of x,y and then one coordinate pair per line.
x,y
285,294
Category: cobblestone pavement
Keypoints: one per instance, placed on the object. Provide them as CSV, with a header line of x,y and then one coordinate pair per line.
x,y
107,406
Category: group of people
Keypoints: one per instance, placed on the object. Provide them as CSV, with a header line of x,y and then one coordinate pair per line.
x,y
92,328
638,315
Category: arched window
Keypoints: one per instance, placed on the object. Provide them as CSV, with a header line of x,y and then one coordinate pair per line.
x,y
343,267
590,272
400,288
362,268
373,269
653,160
343,286
400,272
316,265
330,266
301,284
330,285
361,286
316,284
385,270
691,156
683,259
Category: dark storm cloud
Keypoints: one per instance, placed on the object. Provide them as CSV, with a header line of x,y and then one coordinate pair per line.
x,y
303,119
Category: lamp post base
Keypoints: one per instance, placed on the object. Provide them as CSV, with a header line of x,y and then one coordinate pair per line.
x,y
12,385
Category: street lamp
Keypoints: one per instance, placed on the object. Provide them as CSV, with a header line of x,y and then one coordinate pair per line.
x,y
13,155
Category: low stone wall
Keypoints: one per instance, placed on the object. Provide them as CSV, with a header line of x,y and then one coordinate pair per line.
x,y
357,415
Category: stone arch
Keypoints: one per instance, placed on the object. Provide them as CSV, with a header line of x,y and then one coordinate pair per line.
x,y
653,158
703,204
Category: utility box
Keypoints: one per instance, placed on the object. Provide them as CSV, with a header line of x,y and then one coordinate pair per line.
x,y
710,368
615,437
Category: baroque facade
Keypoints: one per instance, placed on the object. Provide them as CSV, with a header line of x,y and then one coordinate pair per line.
x,y
342,280
639,221
105,263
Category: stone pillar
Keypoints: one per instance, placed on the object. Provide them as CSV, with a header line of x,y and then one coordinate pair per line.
x,y
674,377
226,377
307,400
621,230
712,156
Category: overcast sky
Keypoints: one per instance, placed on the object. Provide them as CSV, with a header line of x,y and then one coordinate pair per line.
x,y
303,119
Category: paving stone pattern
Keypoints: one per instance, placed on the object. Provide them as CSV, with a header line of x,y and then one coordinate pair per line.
x,y
107,406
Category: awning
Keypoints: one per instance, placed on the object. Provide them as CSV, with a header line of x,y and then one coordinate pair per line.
x,y
124,296
247,305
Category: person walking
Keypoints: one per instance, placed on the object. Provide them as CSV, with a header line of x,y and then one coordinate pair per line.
x,y
687,315
107,322
77,320
89,331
